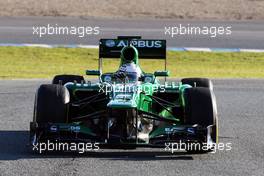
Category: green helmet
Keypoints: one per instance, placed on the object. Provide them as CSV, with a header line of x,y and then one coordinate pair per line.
x,y
129,54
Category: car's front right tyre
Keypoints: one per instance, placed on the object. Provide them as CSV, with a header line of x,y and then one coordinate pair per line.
x,y
51,104
63,79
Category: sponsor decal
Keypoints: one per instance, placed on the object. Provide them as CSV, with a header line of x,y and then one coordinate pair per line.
x,y
173,129
110,43
135,43
53,128
75,129
190,130
147,43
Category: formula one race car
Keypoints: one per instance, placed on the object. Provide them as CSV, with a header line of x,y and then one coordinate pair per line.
x,y
128,108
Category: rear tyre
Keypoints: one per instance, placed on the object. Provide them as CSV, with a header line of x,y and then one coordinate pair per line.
x,y
198,82
200,108
63,79
51,104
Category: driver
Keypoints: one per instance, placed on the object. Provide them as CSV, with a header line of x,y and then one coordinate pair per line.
x,y
129,62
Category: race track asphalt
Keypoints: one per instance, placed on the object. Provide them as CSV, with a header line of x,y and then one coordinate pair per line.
x,y
240,107
245,34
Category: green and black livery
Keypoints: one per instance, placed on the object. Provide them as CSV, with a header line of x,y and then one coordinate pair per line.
x,y
122,112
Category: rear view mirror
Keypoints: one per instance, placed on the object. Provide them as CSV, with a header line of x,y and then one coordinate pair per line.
x,y
161,73
93,72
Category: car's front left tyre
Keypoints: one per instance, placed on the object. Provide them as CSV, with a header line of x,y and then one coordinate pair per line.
x,y
198,82
200,109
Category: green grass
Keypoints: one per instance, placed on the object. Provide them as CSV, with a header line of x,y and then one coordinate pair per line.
x,y
33,62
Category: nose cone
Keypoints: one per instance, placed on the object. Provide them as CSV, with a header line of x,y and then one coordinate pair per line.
x,y
129,54
122,101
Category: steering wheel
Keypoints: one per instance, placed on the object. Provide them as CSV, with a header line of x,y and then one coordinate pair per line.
x,y
120,75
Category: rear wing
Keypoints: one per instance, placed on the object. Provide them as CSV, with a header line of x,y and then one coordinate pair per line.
x,y
147,49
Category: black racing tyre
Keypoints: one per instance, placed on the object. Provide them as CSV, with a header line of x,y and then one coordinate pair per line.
x,y
200,108
63,79
198,82
51,104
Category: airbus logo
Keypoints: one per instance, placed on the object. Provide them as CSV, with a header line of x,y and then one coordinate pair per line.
x,y
147,43
110,43
136,43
